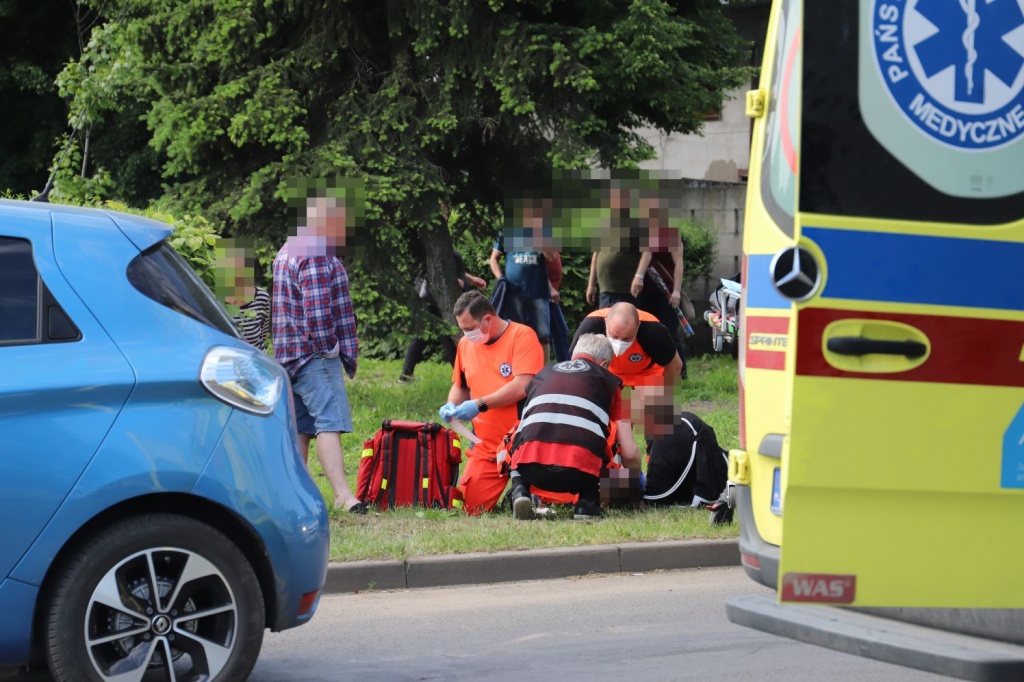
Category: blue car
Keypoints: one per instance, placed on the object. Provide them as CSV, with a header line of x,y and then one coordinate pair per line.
x,y
155,512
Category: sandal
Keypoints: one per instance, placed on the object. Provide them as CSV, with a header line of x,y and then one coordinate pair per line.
x,y
358,508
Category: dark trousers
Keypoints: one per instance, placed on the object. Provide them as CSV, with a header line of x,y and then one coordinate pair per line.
x,y
558,479
414,353
606,299
559,333
655,303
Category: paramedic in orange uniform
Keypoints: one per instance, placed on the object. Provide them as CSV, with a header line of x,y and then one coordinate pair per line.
x,y
494,363
644,352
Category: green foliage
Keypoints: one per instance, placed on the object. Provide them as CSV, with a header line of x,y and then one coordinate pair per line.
x,y
700,244
194,238
213,106
39,39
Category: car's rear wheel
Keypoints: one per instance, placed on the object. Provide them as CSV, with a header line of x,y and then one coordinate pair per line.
x,y
158,594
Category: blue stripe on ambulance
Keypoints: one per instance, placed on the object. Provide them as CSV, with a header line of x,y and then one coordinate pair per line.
x,y
919,269
761,293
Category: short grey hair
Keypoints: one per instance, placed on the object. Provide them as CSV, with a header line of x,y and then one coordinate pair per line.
x,y
596,346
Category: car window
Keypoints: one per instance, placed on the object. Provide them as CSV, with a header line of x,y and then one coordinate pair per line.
x,y
779,163
164,276
19,293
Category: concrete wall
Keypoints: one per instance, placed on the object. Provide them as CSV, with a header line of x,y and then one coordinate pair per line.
x,y
721,153
721,206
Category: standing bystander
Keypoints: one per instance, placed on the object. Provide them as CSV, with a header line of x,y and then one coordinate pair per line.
x,y
414,352
617,268
526,272
314,335
248,304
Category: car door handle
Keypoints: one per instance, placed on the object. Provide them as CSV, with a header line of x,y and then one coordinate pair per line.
x,y
858,345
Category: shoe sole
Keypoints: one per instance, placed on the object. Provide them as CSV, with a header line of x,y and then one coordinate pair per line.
x,y
585,517
522,509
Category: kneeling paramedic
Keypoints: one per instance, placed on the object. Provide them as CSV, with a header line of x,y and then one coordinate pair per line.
x,y
561,443
494,363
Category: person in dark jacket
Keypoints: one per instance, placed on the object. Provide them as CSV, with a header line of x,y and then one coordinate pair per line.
x,y
687,467
414,352
561,443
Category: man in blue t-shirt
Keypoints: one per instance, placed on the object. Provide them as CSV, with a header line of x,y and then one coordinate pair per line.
x,y
526,275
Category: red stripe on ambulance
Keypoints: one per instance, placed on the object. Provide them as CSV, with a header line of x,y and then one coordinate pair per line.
x,y
762,324
766,339
963,350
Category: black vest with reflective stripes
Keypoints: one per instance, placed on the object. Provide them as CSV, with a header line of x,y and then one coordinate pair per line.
x,y
568,403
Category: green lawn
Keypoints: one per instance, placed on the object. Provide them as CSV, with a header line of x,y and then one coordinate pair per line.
x,y
375,394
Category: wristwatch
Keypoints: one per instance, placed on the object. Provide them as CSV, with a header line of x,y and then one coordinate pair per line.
x,y
481,405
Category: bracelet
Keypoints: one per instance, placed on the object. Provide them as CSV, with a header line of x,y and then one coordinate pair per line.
x,y
638,276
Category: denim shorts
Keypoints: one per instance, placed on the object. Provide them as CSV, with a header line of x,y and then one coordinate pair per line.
x,y
321,402
536,313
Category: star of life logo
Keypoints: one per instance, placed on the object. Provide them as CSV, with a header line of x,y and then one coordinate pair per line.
x,y
505,369
955,68
571,366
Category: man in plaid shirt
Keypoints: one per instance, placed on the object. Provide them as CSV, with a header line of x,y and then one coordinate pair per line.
x,y
314,334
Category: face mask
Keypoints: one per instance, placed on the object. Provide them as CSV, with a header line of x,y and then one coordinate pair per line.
x,y
619,347
477,335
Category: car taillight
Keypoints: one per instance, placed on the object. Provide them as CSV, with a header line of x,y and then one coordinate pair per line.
x,y
243,378
308,602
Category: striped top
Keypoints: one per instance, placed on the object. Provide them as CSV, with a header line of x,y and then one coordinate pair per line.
x,y
253,321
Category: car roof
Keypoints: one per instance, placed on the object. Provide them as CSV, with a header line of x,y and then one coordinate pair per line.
x,y
142,232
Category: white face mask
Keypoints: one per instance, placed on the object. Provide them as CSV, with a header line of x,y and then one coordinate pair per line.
x,y
477,335
619,347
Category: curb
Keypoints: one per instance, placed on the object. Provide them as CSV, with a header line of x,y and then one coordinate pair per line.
x,y
539,564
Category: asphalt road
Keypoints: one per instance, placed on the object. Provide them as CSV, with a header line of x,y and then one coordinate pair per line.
x,y
657,626
660,626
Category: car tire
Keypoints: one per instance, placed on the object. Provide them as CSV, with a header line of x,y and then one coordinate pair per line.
x,y
207,617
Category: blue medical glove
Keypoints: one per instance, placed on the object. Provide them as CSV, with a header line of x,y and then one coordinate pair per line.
x,y
446,412
466,411
643,482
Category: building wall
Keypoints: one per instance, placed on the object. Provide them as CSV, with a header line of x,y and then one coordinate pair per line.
x,y
720,154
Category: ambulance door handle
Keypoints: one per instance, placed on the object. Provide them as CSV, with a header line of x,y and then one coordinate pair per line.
x,y
859,346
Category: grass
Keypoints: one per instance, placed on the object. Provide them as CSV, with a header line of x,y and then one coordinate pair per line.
x,y
375,395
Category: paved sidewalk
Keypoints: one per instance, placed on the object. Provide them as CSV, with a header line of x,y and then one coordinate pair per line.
x,y
540,564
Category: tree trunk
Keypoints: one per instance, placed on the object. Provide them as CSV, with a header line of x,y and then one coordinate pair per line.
x,y
440,267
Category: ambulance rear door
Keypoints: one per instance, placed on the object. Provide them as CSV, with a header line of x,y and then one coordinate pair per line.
x,y
903,472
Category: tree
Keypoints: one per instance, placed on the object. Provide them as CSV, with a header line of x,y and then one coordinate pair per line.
x,y
37,43
427,101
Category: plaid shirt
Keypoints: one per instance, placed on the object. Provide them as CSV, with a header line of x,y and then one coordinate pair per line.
x,y
312,311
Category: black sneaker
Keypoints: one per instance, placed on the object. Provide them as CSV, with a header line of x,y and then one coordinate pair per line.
x,y
586,510
522,501
522,508
405,378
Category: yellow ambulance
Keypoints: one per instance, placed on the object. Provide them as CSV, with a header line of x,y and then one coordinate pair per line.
x,y
880,473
